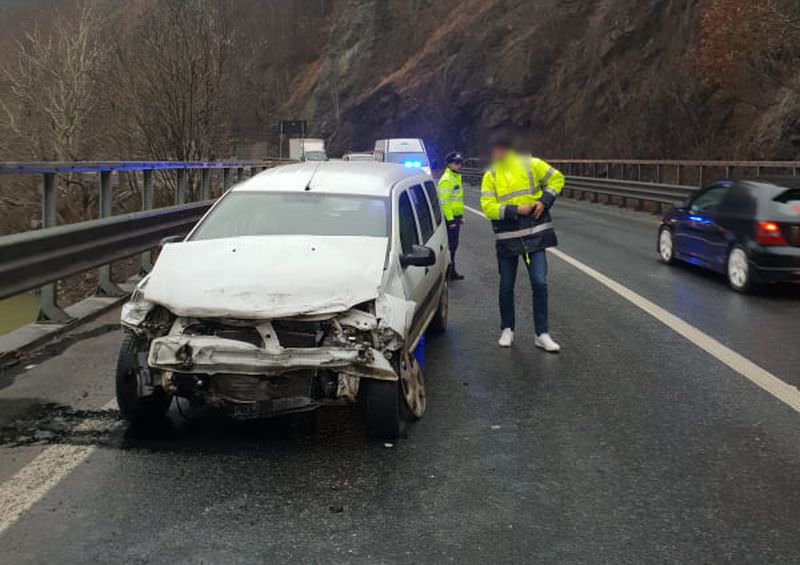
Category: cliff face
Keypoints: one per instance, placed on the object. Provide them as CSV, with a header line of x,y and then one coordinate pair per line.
x,y
611,78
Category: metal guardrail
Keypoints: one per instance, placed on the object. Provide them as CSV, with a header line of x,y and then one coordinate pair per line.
x,y
41,257
32,259
660,194
676,172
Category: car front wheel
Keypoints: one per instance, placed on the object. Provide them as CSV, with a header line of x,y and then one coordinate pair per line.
x,y
666,246
740,275
143,412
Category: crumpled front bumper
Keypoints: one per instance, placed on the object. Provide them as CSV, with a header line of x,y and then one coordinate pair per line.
x,y
212,355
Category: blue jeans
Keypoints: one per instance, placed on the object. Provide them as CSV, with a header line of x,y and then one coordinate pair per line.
x,y
537,272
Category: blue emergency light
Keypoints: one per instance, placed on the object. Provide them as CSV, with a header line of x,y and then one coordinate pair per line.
x,y
413,164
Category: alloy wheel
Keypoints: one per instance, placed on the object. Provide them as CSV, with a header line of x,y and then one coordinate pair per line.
x,y
413,385
665,245
738,268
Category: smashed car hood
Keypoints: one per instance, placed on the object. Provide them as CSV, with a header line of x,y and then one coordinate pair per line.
x,y
267,277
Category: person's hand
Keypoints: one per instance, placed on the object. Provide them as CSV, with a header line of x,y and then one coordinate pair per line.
x,y
461,221
538,210
524,210
452,225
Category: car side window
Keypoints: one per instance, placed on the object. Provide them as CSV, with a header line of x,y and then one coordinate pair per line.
x,y
423,212
709,199
408,225
430,188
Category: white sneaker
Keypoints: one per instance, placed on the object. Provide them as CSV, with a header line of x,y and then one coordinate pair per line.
x,y
546,342
506,338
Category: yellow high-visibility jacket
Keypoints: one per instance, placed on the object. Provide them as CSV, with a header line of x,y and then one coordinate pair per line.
x,y
451,195
515,181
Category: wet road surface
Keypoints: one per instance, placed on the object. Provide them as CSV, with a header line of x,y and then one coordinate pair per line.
x,y
631,446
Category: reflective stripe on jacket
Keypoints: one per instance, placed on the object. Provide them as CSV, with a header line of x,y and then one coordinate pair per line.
x,y
451,194
515,181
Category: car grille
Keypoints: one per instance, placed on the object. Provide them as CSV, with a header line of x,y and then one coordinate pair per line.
x,y
247,334
248,388
297,333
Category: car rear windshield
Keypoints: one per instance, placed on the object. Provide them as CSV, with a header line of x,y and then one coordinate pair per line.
x,y
290,213
789,197
408,159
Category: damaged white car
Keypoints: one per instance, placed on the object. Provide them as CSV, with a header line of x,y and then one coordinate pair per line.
x,y
306,285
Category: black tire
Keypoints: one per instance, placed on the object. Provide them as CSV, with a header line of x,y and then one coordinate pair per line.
x,y
438,324
666,258
382,415
144,413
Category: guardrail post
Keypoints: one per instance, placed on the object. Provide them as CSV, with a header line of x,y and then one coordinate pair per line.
x,y
147,204
658,174
205,184
180,187
226,179
677,174
253,171
239,174
105,286
700,175
639,172
49,311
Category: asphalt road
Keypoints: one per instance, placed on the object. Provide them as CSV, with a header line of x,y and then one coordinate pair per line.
x,y
633,445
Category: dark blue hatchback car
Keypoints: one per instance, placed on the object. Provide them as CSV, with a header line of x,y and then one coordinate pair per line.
x,y
748,230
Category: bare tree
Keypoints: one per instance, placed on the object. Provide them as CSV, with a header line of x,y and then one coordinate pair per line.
x,y
50,95
172,77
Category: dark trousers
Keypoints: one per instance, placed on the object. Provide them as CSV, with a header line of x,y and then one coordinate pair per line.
x,y
536,264
453,234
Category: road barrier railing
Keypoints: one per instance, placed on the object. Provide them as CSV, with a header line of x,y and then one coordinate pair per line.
x,y
39,258
661,183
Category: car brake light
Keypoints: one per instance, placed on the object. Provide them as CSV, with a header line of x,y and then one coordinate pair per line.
x,y
769,233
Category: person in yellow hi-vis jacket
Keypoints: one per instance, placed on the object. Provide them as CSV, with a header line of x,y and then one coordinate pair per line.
x,y
451,200
516,195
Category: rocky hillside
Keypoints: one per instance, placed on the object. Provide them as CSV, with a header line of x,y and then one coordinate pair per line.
x,y
612,78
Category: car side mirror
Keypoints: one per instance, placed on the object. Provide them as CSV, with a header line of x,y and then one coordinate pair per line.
x,y
680,204
171,239
419,256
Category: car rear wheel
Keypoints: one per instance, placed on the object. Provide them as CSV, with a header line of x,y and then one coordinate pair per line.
x,y
740,276
143,412
666,249
439,322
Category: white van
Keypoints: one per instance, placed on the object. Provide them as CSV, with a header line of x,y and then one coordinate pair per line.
x,y
409,152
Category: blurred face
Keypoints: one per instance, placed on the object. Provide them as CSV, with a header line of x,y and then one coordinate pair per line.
x,y
498,152
457,166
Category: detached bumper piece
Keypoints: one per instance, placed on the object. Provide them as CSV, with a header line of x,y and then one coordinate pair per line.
x,y
212,355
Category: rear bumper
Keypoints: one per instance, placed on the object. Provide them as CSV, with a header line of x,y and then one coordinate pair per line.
x,y
776,264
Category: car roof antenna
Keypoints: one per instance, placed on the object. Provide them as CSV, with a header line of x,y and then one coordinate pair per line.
x,y
313,174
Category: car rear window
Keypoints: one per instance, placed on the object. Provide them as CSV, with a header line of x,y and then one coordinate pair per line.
x,y
249,213
791,197
434,198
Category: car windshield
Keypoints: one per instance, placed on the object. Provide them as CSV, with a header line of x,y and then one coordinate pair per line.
x,y
315,156
246,213
408,159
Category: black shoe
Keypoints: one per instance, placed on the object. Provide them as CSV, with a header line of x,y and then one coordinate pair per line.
x,y
456,276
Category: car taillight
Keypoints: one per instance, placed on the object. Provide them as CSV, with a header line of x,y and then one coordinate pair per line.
x,y
769,233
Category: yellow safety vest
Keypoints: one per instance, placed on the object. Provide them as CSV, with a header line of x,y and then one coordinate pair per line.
x,y
451,194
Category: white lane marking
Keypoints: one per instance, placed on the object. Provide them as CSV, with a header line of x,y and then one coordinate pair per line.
x,y
31,483
757,375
